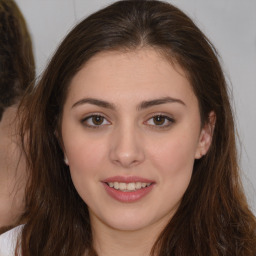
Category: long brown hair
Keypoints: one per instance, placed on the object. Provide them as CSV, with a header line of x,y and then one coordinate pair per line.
x,y
17,67
17,71
213,217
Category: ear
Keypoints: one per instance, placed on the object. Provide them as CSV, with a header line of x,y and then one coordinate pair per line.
x,y
66,159
205,138
59,139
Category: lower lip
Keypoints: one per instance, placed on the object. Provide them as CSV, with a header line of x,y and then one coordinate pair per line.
x,y
128,197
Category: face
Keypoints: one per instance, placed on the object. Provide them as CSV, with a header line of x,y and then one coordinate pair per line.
x,y
131,131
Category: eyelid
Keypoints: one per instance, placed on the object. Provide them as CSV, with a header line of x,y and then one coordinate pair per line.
x,y
170,119
91,115
167,117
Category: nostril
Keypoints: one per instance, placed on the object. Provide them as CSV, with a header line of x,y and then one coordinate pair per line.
x,y
125,149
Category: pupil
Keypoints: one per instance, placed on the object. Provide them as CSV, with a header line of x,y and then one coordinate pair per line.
x,y
159,120
97,120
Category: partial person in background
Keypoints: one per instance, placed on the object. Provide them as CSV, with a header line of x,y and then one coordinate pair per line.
x,y
17,71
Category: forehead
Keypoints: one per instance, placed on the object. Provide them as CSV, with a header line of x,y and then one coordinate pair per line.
x,y
138,74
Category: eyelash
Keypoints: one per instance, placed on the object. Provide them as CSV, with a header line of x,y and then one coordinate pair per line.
x,y
85,121
168,121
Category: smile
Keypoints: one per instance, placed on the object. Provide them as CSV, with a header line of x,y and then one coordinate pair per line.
x,y
127,187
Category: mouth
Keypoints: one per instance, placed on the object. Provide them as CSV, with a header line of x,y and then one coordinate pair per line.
x,y
128,187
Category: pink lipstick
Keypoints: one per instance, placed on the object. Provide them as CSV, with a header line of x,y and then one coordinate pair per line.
x,y
127,189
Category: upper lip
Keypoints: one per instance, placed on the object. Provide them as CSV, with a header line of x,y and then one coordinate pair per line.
x,y
127,179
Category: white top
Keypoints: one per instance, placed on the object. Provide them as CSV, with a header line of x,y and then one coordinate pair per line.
x,y
8,241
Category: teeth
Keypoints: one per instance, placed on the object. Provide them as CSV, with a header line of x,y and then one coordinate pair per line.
x,y
131,186
126,187
138,185
116,185
122,186
143,185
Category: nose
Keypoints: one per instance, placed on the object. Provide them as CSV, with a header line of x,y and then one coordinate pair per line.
x,y
126,147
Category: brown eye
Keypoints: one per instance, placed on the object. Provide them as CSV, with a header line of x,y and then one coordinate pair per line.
x,y
159,120
95,121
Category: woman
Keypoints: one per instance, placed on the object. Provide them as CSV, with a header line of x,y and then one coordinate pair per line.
x,y
130,142
17,71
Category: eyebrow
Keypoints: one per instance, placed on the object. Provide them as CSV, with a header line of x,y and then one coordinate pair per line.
x,y
142,105
160,101
100,103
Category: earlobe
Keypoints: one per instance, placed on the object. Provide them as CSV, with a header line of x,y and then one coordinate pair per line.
x,y
66,160
59,139
205,138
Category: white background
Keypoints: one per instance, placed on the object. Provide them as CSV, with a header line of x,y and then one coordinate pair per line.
x,y
230,25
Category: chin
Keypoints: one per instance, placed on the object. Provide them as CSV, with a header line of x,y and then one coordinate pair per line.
x,y
135,220
129,225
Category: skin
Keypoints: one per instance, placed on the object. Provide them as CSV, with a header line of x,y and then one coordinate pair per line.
x,y
129,142
12,170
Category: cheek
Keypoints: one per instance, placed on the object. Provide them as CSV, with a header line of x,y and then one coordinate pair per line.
x,y
174,158
85,158
84,155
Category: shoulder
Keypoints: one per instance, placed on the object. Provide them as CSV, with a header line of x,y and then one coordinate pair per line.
x,y
8,241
